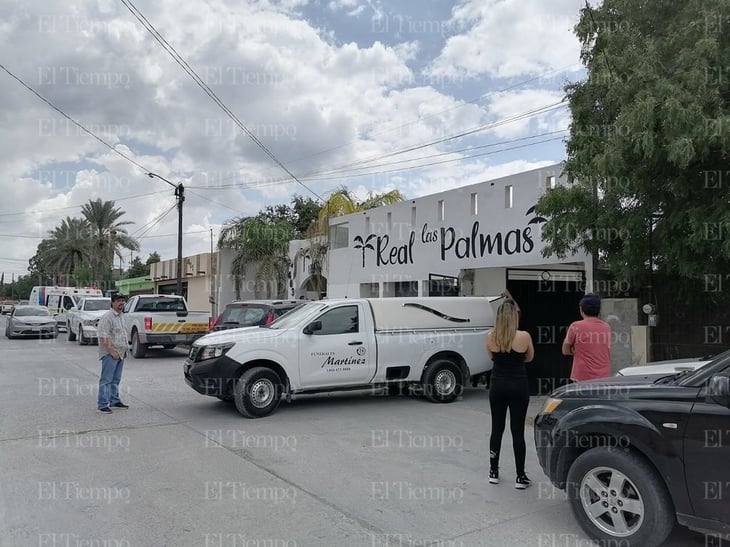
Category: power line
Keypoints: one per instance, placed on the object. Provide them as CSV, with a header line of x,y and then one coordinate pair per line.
x,y
44,211
171,235
421,118
78,124
142,230
186,67
215,202
339,177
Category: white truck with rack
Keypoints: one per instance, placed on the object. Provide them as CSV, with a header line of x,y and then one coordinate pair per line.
x,y
437,344
162,320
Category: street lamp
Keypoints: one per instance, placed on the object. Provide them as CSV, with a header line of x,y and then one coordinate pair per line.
x,y
180,195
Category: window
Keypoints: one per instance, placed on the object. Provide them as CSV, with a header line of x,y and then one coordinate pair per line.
x,y
474,204
389,222
341,320
508,196
413,216
400,288
53,301
550,182
339,236
367,225
68,303
441,210
369,290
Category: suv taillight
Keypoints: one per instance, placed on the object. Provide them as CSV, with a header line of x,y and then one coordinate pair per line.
x,y
147,323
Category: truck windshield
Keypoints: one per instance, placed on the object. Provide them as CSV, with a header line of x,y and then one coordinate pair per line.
x,y
295,316
97,305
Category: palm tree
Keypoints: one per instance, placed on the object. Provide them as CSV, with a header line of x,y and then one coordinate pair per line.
x,y
262,244
107,235
344,202
67,248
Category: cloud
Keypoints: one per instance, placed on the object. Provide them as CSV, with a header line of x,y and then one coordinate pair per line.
x,y
507,38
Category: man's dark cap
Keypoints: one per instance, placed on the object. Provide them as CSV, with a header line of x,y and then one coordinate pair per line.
x,y
118,296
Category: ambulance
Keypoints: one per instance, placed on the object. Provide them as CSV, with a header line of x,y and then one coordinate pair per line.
x,y
59,300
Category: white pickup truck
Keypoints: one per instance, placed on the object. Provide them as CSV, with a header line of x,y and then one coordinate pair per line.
x,y
81,320
435,343
162,320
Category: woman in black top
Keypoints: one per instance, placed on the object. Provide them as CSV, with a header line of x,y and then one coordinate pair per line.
x,y
509,350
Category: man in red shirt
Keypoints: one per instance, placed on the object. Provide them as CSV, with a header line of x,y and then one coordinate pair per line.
x,y
589,342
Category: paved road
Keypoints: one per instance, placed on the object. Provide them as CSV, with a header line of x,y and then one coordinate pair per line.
x,y
181,469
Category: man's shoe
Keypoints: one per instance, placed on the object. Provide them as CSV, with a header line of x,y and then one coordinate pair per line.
x,y
120,405
105,410
522,482
494,476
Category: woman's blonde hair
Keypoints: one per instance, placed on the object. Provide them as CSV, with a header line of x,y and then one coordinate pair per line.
x,y
505,325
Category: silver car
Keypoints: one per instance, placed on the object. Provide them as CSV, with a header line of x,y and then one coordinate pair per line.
x,y
31,321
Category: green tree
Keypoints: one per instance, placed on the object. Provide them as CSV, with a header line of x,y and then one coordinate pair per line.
x,y
261,244
344,202
107,236
649,142
38,265
301,214
152,259
68,248
137,268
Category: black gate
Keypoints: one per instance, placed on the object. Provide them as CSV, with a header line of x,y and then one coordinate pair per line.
x,y
549,303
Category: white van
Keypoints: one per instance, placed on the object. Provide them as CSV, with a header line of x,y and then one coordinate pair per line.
x,y
435,343
59,300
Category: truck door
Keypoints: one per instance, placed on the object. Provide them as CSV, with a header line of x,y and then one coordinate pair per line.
x,y
707,457
339,353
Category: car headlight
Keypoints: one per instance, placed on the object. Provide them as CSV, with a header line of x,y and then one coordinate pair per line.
x,y
213,351
90,322
550,405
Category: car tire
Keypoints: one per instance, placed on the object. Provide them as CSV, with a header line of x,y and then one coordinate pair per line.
x,y
82,339
589,480
257,392
443,381
70,335
138,348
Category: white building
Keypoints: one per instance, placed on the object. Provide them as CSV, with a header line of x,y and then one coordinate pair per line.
x,y
476,238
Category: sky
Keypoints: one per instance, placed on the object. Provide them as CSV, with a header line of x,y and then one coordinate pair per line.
x,y
366,94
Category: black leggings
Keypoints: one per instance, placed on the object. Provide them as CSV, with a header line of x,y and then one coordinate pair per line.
x,y
515,396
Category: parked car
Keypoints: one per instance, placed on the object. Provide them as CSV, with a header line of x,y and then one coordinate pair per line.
x,y
637,455
663,368
162,320
6,306
81,321
252,313
435,344
31,321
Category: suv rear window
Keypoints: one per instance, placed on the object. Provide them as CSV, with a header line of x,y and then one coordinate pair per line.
x,y
245,314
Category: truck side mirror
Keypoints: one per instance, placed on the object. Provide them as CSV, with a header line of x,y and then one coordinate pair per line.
x,y
313,326
719,390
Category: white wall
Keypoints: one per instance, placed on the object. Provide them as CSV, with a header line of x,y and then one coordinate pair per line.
x,y
408,241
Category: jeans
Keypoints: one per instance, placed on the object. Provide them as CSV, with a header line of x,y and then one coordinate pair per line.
x,y
111,375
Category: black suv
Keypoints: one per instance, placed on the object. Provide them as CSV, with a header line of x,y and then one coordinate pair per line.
x,y
636,455
252,313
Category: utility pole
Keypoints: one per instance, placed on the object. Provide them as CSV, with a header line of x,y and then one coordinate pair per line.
x,y
180,195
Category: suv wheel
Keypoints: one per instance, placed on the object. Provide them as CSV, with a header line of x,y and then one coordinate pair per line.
x,y
443,382
70,334
257,392
619,499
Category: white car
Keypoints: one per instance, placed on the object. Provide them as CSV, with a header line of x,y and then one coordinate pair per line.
x,y
81,321
671,366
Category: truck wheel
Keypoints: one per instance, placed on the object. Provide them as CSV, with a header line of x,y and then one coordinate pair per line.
x,y
443,382
138,348
257,392
618,498
70,336
82,339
